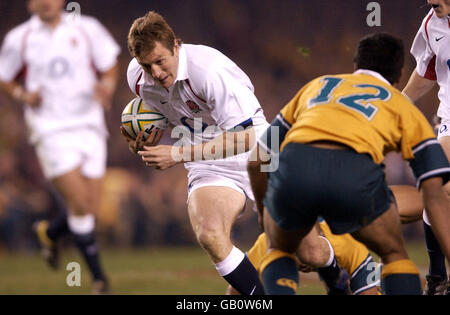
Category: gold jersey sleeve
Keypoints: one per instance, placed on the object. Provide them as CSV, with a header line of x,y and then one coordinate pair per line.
x,y
358,110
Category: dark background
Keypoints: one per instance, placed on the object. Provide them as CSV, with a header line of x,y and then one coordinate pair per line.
x,y
280,44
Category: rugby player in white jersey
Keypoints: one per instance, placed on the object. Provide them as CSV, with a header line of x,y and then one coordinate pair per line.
x,y
210,97
64,99
431,49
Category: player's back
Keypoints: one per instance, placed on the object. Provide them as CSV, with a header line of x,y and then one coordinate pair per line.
x,y
361,110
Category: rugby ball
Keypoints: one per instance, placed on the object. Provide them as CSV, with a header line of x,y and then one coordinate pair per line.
x,y
138,116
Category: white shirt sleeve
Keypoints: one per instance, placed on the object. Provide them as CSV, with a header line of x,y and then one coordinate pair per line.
x,y
425,57
104,48
11,55
232,103
134,73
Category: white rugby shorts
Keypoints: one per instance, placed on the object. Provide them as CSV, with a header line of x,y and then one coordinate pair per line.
x,y
64,151
234,176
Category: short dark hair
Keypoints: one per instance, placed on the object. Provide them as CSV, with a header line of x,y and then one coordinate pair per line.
x,y
383,53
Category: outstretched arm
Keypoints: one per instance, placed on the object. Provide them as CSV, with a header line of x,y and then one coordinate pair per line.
x,y
226,145
417,86
258,178
106,86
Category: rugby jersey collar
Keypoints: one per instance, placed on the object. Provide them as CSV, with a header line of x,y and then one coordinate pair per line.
x,y
373,74
182,73
37,23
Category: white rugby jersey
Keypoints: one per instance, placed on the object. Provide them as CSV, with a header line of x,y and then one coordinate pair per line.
x,y
208,86
431,48
61,63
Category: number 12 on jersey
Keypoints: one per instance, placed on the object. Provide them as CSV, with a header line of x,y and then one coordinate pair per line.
x,y
360,102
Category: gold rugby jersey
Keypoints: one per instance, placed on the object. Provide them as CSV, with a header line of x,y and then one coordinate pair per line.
x,y
364,112
358,110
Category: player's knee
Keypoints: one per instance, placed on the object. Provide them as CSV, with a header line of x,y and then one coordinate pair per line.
x,y
313,257
78,207
313,251
210,238
393,251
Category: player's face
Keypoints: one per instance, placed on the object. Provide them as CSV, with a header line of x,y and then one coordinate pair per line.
x,y
47,10
441,7
161,64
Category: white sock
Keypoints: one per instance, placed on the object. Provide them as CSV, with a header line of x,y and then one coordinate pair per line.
x,y
331,258
230,263
425,218
81,224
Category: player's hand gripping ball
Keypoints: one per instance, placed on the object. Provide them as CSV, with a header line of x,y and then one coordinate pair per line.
x,y
139,116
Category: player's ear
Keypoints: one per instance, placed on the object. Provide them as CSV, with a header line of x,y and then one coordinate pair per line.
x,y
30,6
176,47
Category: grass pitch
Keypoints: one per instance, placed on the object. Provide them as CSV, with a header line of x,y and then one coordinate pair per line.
x,y
166,271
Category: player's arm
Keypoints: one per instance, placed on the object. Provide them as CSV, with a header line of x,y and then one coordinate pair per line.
x,y
258,179
423,78
17,92
417,86
106,86
228,144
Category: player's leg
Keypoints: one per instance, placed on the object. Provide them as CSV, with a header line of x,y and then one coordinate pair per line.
x,y
384,237
87,242
316,251
279,270
56,158
50,231
75,189
437,274
354,257
212,212
255,254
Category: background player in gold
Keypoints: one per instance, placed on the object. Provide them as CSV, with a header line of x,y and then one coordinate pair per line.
x,y
340,127
351,255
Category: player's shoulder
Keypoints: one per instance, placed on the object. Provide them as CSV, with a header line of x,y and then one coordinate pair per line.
x,y
205,63
87,19
134,73
18,32
134,68
200,51
429,18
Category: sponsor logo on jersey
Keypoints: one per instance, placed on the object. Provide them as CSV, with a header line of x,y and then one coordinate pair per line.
x,y
193,107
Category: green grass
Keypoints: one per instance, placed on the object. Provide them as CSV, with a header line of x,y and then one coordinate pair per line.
x,y
166,271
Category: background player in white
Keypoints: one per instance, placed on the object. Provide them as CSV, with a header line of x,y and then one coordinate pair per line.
x,y
64,102
431,49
